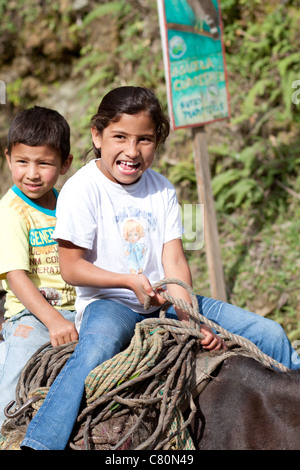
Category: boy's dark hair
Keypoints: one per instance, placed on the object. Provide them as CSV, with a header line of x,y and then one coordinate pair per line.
x,y
131,100
39,126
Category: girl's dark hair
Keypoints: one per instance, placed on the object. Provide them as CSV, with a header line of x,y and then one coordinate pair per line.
x,y
131,100
39,126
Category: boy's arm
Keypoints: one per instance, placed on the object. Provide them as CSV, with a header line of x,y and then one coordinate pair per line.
x,y
61,331
176,266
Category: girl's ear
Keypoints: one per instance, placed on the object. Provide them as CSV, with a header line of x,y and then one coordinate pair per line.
x,y
96,136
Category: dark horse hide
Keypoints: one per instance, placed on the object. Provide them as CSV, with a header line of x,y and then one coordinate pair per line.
x,y
247,406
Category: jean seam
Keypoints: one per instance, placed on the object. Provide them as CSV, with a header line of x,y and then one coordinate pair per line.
x,y
54,387
30,441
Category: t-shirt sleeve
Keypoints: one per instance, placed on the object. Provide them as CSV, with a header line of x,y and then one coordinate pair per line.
x,y
173,226
14,246
75,217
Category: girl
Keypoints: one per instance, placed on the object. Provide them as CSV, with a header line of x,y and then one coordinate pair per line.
x,y
93,207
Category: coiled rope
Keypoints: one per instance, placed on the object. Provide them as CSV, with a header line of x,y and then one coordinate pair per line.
x,y
147,383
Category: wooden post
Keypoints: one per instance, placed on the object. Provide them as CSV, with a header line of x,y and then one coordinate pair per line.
x,y
211,238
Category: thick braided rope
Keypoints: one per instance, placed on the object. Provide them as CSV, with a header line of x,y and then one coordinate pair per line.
x,y
140,362
108,383
140,356
195,316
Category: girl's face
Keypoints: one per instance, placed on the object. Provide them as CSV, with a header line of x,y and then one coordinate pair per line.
x,y
127,147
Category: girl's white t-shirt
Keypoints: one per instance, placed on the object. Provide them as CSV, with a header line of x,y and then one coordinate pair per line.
x,y
122,227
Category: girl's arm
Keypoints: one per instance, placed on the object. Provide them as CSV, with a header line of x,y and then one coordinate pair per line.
x,y
176,266
61,331
78,271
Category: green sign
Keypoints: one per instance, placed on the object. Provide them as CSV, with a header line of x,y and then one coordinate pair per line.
x,y
194,59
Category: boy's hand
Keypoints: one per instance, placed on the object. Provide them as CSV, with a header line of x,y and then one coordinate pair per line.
x,y
62,331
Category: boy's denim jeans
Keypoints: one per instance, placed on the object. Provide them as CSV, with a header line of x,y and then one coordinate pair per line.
x,y
106,328
23,335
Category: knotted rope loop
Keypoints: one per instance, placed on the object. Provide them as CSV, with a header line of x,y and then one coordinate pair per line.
x,y
192,309
196,318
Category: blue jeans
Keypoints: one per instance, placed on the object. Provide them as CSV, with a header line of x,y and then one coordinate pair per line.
x,y
23,335
106,328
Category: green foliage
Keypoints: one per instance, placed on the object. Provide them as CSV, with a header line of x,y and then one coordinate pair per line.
x,y
269,57
235,186
183,171
13,91
122,57
263,267
112,8
24,11
262,67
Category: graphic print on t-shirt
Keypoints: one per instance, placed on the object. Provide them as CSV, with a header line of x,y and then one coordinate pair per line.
x,y
137,228
133,232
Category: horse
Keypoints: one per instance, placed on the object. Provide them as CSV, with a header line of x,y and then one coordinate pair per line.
x,y
248,406
245,405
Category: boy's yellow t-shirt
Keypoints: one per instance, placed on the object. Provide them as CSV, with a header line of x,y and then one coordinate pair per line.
x,y
26,243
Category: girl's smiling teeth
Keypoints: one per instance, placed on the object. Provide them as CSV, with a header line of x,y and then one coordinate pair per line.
x,y
127,167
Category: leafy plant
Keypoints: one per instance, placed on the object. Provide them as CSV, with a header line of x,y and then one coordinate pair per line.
x,y
109,8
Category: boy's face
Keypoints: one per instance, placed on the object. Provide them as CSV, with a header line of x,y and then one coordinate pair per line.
x,y
127,147
35,171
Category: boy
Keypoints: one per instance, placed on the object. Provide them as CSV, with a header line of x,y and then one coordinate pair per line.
x,y
39,304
